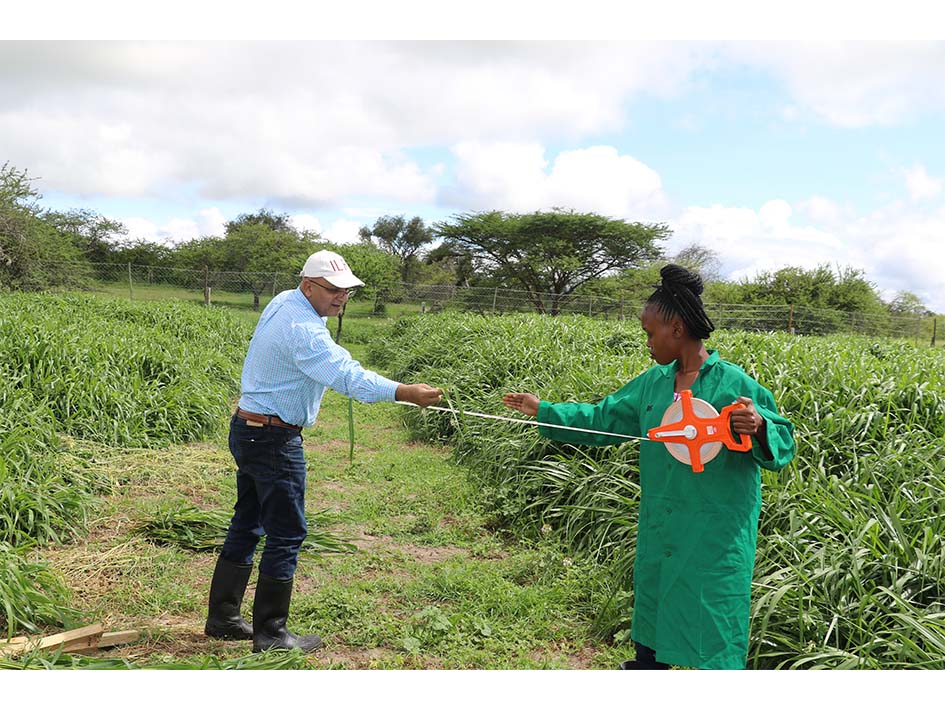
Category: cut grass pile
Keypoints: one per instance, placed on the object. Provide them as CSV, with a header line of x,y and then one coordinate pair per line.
x,y
189,527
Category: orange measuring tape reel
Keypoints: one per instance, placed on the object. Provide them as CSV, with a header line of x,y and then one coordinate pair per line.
x,y
694,432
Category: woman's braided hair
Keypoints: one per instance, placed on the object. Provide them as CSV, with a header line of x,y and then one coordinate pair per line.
x,y
678,296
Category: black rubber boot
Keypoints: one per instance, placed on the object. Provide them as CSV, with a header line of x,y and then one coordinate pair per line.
x,y
226,595
270,613
646,660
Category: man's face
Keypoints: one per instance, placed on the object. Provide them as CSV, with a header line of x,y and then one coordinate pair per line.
x,y
328,300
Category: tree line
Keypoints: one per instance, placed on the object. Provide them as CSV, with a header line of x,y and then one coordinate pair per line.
x,y
561,253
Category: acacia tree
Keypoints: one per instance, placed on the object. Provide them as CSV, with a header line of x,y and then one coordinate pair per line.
x,y
552,252
455,261
404,239
908,303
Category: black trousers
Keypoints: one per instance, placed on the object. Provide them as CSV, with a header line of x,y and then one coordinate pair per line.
x,y
646,658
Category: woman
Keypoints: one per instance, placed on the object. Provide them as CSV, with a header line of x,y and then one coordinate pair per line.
x,y
697,532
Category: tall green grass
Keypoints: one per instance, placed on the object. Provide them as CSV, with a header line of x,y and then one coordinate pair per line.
x,y
850,567
123,373
119,373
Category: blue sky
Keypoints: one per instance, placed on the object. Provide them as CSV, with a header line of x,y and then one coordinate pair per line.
x,y
770,153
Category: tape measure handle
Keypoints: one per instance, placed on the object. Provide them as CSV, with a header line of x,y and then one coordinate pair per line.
x,y
730,442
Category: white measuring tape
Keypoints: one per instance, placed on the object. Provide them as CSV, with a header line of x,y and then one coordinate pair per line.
x,y
703,434
527,422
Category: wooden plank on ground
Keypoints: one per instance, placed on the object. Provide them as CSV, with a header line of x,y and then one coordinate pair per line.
x,y
15,640
118,637
77,637
68,641
79,640
13,645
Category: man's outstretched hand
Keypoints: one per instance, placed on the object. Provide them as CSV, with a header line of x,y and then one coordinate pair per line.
x,y
419,394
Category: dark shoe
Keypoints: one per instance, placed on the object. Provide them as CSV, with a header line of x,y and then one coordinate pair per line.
x,y
270,613
226,595
637,665
646,659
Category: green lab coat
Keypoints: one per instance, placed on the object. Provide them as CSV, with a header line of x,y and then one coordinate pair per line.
x,y
697,531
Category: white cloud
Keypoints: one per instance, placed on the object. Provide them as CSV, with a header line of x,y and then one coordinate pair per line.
x,y
499,176
342,231
895,250
749,242
306,123
821,210
313,124
207,222
853,84
306,222
920,184
601,180
515,177
903,251
211,222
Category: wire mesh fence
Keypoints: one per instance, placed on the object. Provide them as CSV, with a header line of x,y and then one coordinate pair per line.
x,y
254,289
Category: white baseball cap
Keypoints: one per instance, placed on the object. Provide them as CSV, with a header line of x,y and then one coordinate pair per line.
x,y
331,267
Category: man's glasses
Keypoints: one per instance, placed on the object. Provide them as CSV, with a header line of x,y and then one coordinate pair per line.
x,y
336,291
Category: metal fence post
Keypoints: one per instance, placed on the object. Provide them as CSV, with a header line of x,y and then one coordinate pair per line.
x,y
206,285
131,290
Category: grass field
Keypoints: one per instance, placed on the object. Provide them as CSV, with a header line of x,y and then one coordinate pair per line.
x,y
477,546
429,587
431,584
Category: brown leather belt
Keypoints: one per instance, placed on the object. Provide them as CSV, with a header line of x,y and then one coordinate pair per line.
x,y
265,419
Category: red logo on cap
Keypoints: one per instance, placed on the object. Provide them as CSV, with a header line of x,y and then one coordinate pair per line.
x,y
336,267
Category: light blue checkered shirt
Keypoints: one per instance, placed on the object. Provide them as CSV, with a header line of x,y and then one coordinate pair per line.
x,y
292,359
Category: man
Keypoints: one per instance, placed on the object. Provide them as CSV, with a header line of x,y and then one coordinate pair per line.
x,y
291,360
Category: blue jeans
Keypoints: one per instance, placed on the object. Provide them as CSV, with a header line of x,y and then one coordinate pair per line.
x,y
270,498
